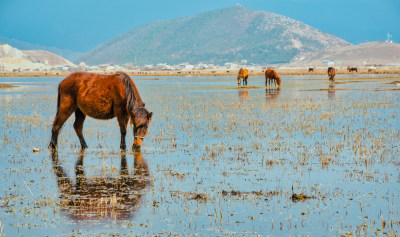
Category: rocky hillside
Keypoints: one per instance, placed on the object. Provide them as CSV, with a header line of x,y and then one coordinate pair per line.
x,y
371,53
12,58
22,45
219,36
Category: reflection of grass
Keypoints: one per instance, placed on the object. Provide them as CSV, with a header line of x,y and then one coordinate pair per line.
x,y
1,230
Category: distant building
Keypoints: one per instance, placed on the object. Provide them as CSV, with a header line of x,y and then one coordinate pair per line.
x,y
232,66
164,66
329,62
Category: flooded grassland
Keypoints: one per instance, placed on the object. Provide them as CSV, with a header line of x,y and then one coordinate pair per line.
x,y
312,157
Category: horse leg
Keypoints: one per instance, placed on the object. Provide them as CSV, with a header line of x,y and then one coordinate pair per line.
x,y
239,79
246,79
123,122
62,115
78,126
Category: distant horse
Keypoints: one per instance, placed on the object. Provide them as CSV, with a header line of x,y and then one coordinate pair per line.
x,y
243,73
352,69
331,73
271,76
101,97
311,69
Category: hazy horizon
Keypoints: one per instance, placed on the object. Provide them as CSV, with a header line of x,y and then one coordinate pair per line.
x,y
82,25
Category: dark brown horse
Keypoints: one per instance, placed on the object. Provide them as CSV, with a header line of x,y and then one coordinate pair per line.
x,y
352,69
271,76
311,69
101,97
243,73
331,73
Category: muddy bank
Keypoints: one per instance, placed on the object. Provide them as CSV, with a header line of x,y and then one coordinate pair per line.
x,y
6,86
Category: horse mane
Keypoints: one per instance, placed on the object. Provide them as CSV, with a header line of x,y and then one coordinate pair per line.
x,y
133,99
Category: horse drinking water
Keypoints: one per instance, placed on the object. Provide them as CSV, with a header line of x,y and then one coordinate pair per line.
x,y
331,73
243,73
271,76
101,97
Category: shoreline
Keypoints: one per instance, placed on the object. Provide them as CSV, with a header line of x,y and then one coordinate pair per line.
x,y
226,72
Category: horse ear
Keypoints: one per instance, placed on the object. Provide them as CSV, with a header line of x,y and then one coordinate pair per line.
x,y
149,115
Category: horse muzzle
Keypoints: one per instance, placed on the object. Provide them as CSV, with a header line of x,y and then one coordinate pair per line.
x,y
137,142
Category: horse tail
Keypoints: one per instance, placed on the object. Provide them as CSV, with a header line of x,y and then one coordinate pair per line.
x,y
58,97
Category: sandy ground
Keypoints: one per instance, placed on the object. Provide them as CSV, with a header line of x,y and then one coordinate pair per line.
x,y
255,72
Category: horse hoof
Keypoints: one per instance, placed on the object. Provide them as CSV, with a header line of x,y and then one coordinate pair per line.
x,y
123,147
52,146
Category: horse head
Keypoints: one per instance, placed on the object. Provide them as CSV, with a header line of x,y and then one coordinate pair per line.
x,y
141,121
239,74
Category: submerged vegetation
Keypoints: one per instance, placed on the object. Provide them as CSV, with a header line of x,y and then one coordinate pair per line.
x,y
307,157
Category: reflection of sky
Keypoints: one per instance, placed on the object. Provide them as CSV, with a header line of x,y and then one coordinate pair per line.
x,y
217,149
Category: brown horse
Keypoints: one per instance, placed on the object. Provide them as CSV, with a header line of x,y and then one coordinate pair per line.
x,y
352,69
311,69
101,97
331,73
271,76
243,73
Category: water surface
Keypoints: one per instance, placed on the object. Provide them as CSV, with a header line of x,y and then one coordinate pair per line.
x,y
218,160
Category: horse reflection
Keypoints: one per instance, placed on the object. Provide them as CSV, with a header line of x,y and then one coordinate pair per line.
x,y
243,95
96,198
331,91
271,94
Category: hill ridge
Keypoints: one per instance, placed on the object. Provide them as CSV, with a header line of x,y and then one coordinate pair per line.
x,y
218,36
12,58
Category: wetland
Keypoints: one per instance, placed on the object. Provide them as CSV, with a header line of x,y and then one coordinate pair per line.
x,y
311,157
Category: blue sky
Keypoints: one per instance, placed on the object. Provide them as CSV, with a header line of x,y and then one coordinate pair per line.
x,y
80,25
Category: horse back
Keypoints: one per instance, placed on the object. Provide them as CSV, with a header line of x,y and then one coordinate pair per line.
x,y
96,95
243,73
271,74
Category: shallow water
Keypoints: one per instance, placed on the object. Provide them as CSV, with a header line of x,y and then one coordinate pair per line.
x,y
218,160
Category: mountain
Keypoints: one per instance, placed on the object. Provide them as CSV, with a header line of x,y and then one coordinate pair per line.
x,y
12,58
22,45
219,36
371,53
